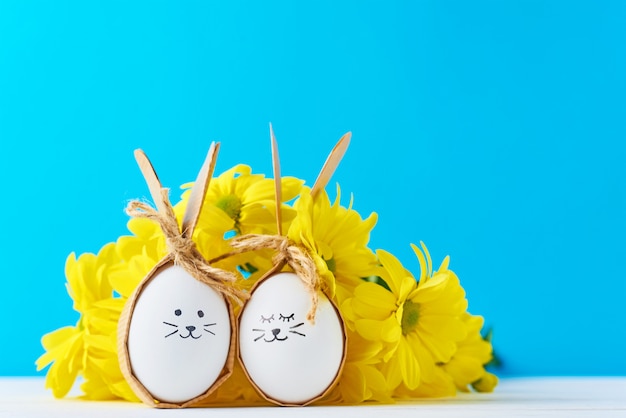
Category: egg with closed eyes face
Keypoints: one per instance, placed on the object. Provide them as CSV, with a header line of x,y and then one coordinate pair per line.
x,y
179,336
289,359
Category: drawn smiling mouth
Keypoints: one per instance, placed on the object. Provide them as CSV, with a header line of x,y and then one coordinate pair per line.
x,y
274,339
191,329
190,335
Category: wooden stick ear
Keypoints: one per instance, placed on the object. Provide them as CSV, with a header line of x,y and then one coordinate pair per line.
x,y
278,196
198,191
333,160
154,185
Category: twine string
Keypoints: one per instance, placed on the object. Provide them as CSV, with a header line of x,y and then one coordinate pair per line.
x,y
287,252
183,249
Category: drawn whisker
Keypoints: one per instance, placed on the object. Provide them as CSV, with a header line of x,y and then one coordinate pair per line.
x,y
260,336
171,333
209,325
299,333
210,332
171,325
297,325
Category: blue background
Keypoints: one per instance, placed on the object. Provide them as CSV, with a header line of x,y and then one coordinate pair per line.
x,y
493,131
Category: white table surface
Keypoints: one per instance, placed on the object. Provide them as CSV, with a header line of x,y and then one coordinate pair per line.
x,y
519,397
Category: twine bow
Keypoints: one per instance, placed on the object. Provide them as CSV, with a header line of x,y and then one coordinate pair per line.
x,y
183,250
287,252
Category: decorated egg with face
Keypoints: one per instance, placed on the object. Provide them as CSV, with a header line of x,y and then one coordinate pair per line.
x,y
178,336
289,359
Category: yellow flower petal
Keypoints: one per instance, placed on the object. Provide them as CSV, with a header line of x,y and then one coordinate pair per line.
x,y
64,369
371,296
353,385
410,368
388,330
396,273
487,383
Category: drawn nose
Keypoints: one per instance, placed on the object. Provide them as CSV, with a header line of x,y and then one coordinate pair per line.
x,y
191,328
276,331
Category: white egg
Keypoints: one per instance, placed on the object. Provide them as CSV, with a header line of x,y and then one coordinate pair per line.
x,y
288,358
179,336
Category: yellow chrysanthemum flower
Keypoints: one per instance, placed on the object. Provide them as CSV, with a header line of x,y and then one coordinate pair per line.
x,y
87,285
248,199
467,365
336,237
420,323
239,202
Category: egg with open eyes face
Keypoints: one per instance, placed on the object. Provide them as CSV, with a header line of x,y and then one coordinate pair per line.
x,y
179,336
290,360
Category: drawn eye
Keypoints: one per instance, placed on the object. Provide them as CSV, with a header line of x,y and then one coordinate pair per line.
x,y
178,312
285,318
268,320
200,314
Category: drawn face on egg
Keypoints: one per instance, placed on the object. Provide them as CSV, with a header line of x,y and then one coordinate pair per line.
x,y
189,331
288,358
179,336
278,328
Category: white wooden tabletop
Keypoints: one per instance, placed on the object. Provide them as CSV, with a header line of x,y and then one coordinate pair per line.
x,y
519,397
